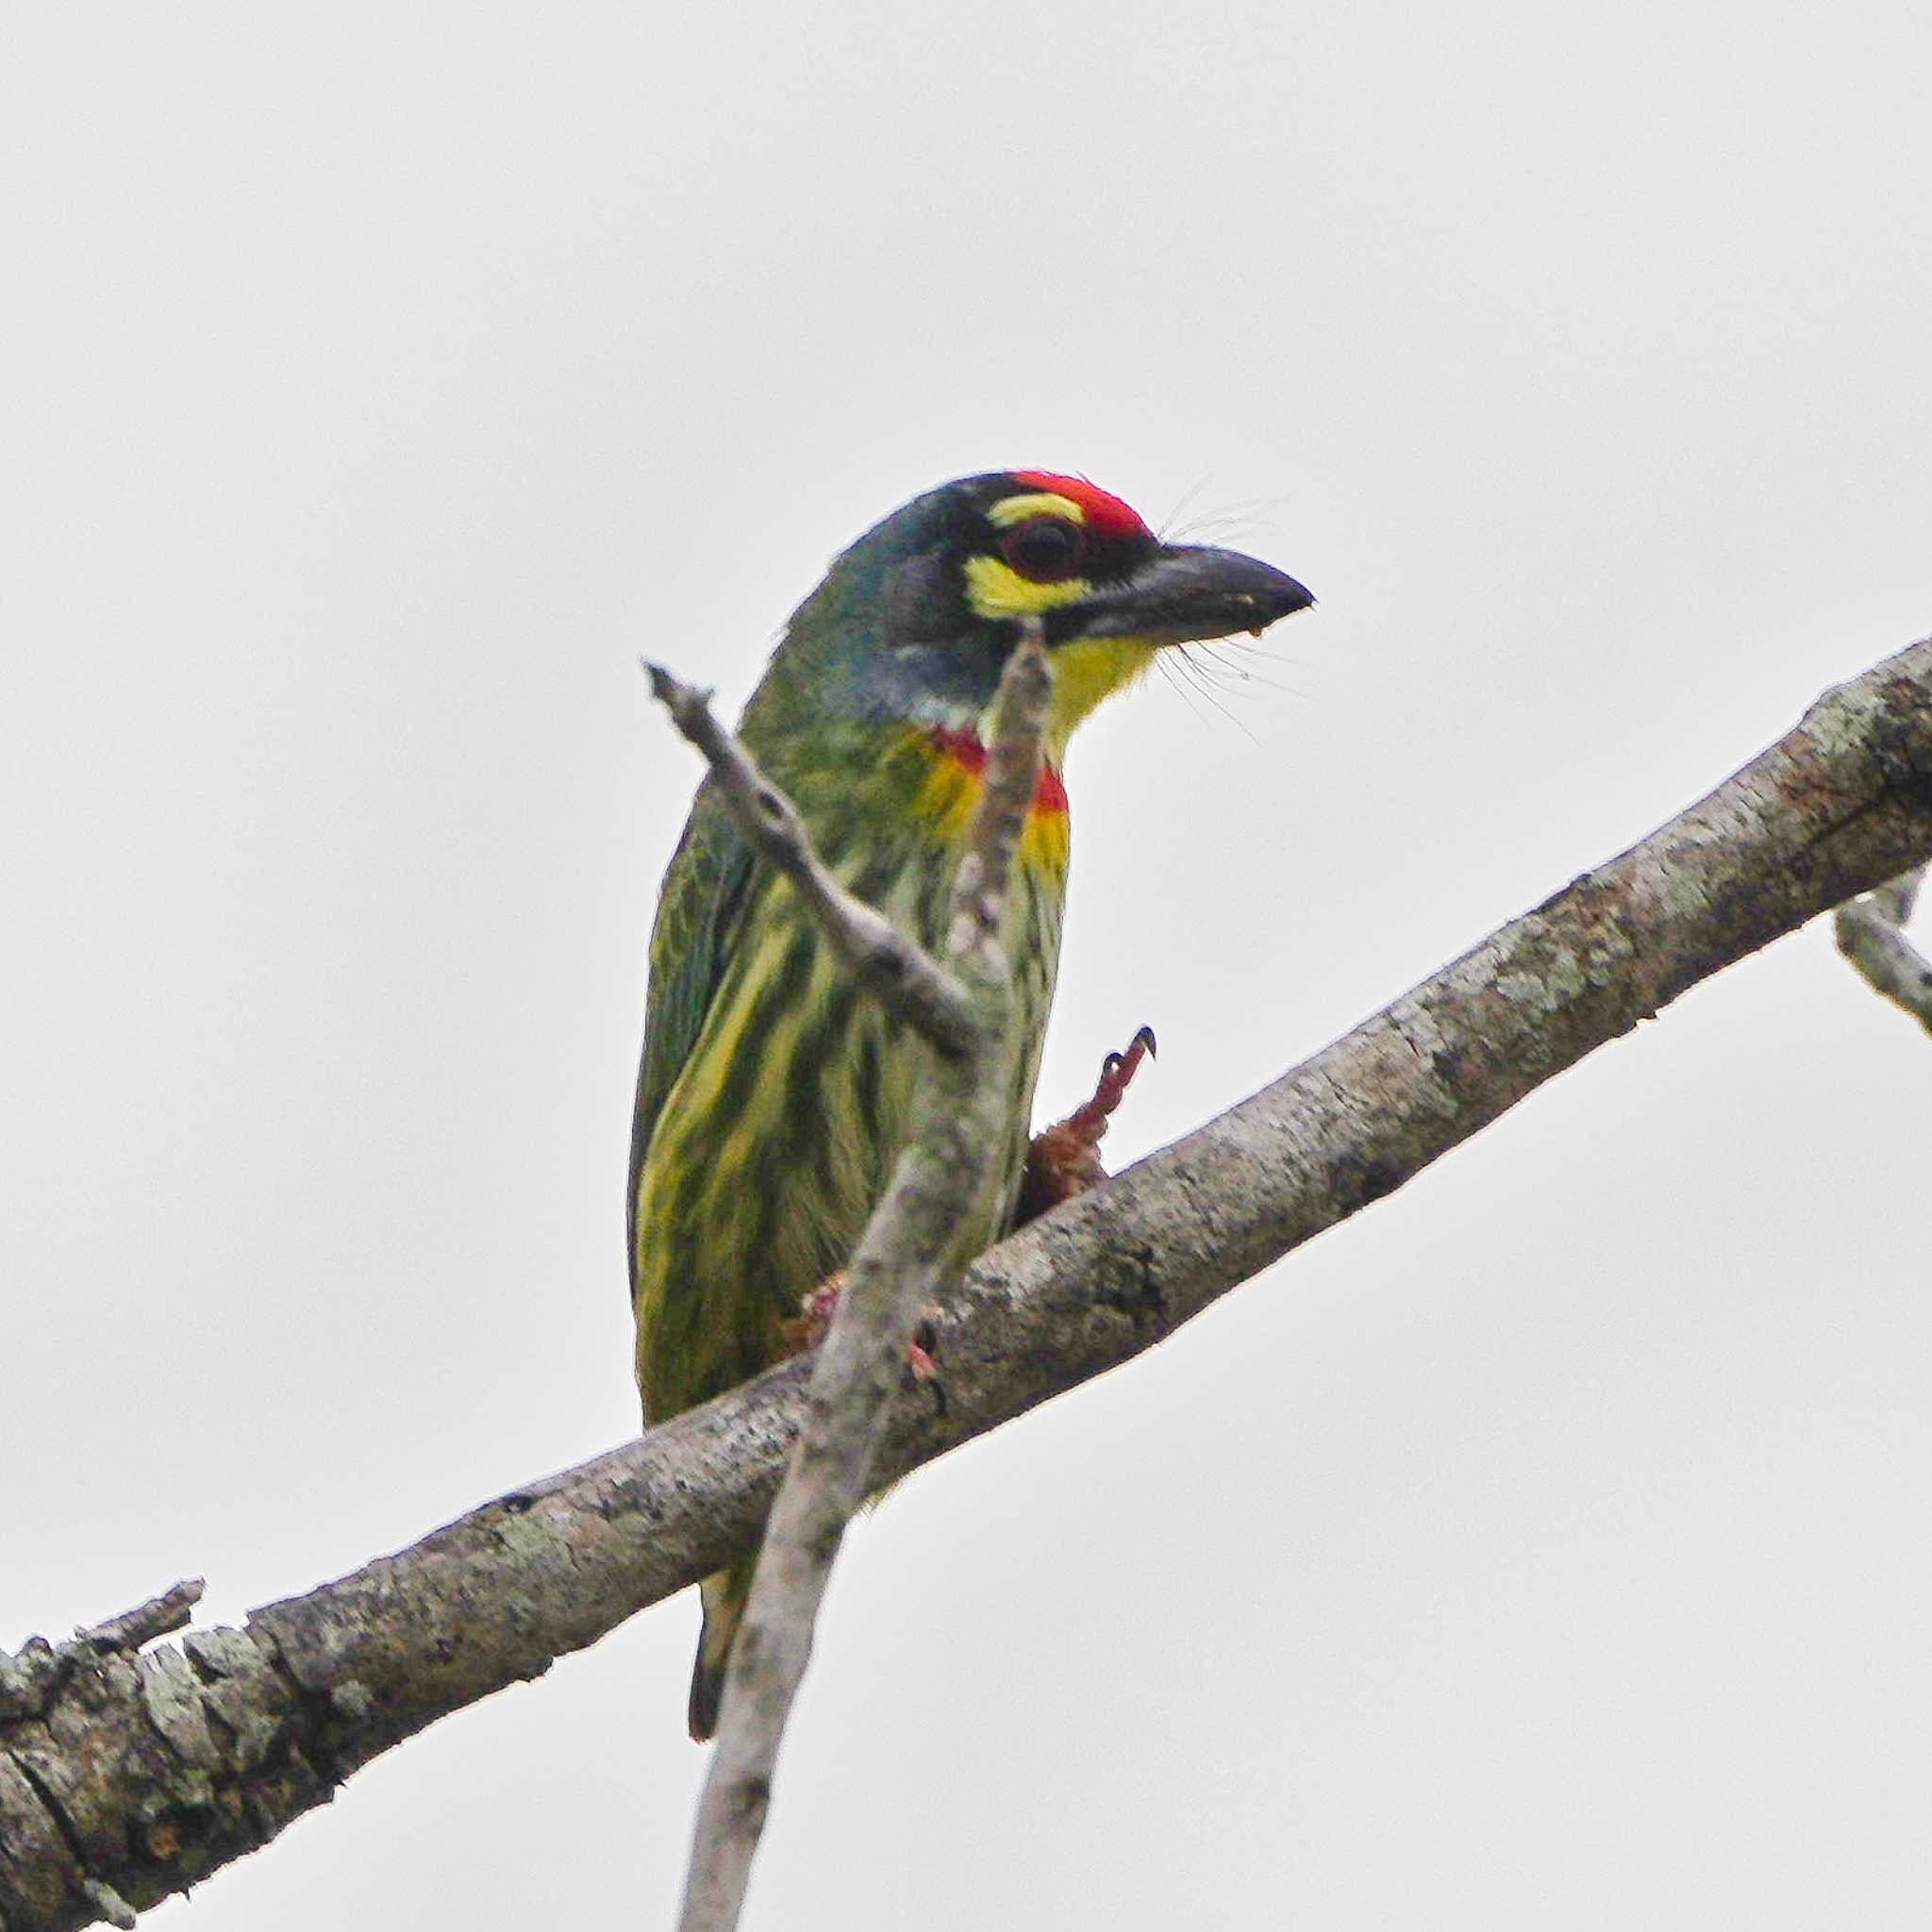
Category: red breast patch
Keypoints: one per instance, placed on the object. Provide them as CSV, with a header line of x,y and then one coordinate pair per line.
x,y
964,748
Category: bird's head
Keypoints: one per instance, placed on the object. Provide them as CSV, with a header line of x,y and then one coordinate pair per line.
x,y
915,621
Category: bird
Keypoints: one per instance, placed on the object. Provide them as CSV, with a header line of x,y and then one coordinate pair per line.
x,y
774,1094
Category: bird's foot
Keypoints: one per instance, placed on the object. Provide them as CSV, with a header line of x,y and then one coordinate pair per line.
x,y
813,1323
1064,1159
922,1368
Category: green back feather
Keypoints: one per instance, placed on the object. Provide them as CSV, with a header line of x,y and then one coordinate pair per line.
x,y
699,915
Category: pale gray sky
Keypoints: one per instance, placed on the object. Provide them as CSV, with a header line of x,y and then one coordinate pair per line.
x,y
1547,1548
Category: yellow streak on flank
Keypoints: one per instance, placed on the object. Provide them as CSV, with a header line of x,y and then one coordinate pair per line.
x,y
995,588
698,1088
1044,841
1009,510
948,795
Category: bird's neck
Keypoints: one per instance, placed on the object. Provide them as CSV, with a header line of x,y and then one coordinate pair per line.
x,y
961,746
952,760
870,784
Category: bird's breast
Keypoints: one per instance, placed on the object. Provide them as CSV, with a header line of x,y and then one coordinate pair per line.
x,y
951,764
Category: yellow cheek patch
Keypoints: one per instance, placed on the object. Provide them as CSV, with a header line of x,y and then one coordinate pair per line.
x,y
1009,510
994,589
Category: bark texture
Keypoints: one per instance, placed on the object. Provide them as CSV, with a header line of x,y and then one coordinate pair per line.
x,y
125,1777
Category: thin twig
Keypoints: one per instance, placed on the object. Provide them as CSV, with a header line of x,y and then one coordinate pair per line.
x,y
892,967
1870,934
913,1235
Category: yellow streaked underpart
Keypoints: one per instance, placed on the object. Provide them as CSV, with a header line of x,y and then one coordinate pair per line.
x,y
1045,842
695,1095
950,790
1009,510
995,588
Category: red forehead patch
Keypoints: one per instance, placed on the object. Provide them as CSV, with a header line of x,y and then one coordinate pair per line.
x,y
1105,513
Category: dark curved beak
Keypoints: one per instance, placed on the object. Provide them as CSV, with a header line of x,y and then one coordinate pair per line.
x,y
1184,594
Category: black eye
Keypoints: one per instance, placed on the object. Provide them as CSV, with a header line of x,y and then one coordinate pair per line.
x,y
1044,550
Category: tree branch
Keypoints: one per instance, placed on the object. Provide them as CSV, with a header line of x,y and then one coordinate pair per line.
x,y
1870,933
911,1235
146,1773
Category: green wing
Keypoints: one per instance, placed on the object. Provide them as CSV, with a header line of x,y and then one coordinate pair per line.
x,y
699,916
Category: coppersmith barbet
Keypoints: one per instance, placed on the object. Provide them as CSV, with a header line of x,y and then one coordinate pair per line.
x,y
774,1096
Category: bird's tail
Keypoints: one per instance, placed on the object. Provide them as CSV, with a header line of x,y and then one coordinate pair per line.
x,y
723,1594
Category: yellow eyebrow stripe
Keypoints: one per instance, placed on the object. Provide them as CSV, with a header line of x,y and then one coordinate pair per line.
x,y
1009,510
